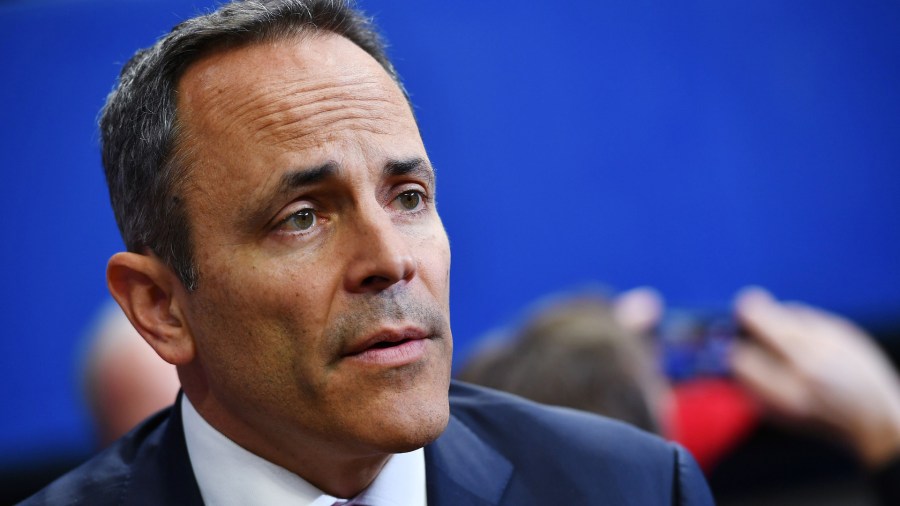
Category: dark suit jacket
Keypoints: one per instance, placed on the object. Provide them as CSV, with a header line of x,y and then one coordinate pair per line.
x,y
497,450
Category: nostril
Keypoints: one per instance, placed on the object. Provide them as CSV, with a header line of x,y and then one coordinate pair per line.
x,y
378,268
374,281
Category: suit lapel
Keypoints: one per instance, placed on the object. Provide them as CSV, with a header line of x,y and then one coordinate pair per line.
x,y
162,473
461,470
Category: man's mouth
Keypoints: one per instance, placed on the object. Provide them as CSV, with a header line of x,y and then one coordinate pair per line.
x,y
389,344
390,347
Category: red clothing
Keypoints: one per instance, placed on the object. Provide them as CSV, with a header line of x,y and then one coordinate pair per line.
x,y
710,416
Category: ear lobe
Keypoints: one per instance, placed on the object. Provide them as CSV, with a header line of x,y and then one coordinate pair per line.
x,y
151,296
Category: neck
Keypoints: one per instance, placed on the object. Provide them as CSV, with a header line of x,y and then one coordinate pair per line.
x,y
332,471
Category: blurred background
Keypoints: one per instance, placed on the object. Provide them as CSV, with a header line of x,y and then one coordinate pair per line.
x,y
695,147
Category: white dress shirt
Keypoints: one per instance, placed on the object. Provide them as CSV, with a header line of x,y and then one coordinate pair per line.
x,y
229,475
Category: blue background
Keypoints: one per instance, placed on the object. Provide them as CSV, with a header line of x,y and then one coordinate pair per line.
x,y
695,147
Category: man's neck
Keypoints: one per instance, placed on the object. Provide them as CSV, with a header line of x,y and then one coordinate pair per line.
x,y
229,475
331,471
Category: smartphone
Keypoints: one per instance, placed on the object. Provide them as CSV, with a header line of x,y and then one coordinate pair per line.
x,y
696,343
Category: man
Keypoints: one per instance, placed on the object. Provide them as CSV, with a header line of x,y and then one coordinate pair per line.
x,y
285,254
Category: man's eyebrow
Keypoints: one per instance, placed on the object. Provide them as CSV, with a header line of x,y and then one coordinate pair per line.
x,y
410,167
294,179
289,182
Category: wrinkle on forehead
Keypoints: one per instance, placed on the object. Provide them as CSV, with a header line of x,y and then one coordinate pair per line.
x,y
291,97
354,103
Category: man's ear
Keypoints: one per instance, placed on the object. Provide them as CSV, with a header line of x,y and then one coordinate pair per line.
x,y
152,297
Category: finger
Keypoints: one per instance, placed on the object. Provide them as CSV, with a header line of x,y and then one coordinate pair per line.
x,y
771,323
770,380
639,309
825,324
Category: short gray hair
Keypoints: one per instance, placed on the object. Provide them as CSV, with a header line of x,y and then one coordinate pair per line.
x,y
142,156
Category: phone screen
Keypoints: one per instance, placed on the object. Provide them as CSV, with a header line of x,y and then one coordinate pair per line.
x,y
695,343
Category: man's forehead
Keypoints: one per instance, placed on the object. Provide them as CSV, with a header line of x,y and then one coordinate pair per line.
x,y
288,89
252,114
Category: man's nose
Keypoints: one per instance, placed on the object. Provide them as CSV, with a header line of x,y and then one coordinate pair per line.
x,y
380,256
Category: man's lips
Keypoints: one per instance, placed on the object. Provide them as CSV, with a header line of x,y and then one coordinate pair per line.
x,y
390,347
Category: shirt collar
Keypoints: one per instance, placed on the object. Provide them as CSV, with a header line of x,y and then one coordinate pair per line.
x,y
227,474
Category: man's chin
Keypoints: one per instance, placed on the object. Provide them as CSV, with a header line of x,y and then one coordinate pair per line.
x,y
409,429
425,434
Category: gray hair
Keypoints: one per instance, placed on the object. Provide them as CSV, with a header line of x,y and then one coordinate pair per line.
x,y
143,152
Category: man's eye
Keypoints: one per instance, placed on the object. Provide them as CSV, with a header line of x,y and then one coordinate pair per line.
x,y
302,220
409,200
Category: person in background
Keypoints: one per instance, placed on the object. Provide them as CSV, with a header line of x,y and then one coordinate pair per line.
x,y
805,367
575,352
598,354
817,371
124,380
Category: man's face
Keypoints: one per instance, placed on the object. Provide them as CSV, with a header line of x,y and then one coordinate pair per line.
x,y
321,317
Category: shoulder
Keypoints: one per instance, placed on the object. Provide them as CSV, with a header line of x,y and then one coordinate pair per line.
x,y
490,413
107,477
598,457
